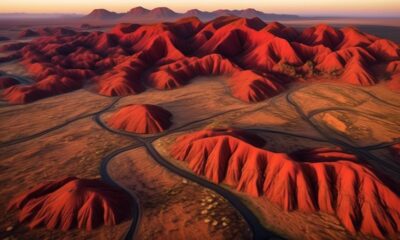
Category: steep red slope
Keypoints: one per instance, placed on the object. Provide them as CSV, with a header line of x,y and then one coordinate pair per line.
x,y
266,56
119,61
71,202
321,35
123,80
352,37
250,86
316,180
180,72
49,86
385,50
142,119
23,94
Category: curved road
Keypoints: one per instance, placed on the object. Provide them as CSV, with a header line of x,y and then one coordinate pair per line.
x,y
363,154
259,231
69,121
135,204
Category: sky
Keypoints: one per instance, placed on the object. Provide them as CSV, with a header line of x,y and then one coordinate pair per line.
x,y
365,8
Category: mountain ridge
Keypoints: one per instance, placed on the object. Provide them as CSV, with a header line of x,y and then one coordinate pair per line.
x,y
166,13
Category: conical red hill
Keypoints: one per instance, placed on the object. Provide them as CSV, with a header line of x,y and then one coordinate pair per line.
x,y
141,118
71,202
309,181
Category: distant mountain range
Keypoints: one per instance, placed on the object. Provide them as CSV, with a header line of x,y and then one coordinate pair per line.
x,y
140,13
37,15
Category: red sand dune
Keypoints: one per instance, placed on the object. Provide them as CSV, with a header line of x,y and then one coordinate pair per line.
x,y
324,180
141,118
6,82
169,55
71,202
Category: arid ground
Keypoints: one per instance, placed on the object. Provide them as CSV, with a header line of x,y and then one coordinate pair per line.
x,y
230,129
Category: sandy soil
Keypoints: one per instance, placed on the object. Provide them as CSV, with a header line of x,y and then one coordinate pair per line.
x,y
202,98
74,150
278,115
173,207
48,113
86,143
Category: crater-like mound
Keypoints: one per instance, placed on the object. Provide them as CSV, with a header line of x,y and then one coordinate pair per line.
x,y
71,202
141,118
168,55
6,82
309,181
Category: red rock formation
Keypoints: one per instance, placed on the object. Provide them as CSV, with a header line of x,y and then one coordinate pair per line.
x,y
71,202
23,94
101,14
393,67
28,33
6,82
316,180
321,34
178,73
142,119
249,86
176,52
49,86
385,50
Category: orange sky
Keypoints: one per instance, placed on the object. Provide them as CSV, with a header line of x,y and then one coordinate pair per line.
x,y
308,7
